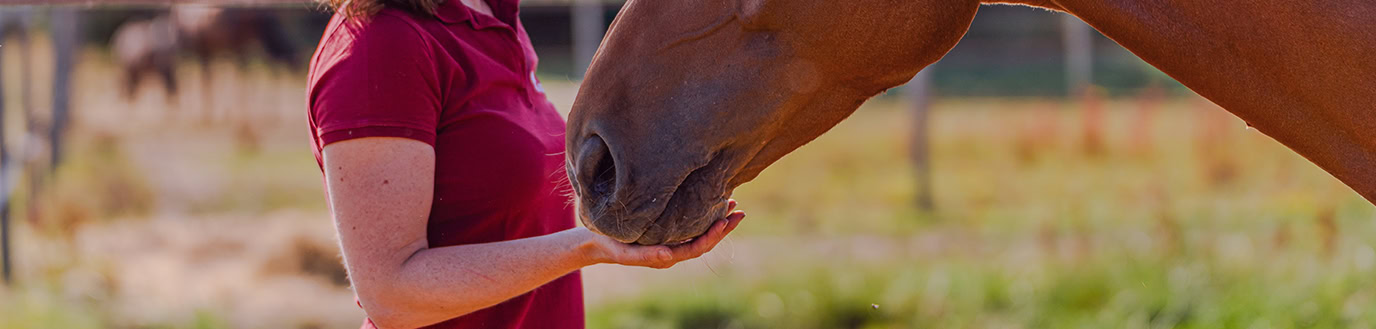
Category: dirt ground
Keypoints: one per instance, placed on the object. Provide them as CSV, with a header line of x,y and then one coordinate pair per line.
x,y
219,239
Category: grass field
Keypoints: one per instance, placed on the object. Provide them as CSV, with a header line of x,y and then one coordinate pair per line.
x,y
1154,214
1190,222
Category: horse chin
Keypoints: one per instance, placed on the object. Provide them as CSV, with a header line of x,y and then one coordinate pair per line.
x,y
683,221
700,200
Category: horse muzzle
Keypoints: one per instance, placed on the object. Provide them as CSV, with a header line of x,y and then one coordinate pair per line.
x,y
646,200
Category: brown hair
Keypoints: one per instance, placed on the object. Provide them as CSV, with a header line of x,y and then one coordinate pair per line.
x,y
368,8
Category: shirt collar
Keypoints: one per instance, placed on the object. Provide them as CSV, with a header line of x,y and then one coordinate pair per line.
x,y
453,12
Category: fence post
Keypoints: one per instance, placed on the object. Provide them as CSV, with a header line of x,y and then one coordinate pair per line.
x,y
4,181
5,240
589,24
919,93
65,28
1079,55
7,19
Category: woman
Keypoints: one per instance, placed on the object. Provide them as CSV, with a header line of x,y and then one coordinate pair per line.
x,y
444,170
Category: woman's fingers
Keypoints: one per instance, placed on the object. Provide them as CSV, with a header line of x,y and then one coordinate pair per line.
x,y
707,241
642,255
733,220
665,257
701,244
661,254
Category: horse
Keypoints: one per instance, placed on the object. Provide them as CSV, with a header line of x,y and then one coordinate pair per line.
x,y
686,100
150,46
146,47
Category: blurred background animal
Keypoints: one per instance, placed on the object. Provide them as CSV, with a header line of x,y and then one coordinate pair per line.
x,y
143,48
152,46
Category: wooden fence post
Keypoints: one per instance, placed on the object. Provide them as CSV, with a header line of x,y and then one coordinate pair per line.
x,y
1079,55
4,160
589,24
65,27
11,21
919,93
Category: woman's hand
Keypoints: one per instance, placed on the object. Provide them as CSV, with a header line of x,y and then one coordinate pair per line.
x,y
606,250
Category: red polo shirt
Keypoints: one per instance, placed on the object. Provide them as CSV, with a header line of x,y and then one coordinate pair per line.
x,y
463,82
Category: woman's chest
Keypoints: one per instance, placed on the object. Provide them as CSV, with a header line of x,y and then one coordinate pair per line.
x,y
496,160
499,144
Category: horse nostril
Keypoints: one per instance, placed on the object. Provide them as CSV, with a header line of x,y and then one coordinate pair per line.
x,y
604,181
598,168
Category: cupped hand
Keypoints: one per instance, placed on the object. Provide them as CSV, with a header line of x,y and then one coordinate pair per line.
x,y
608,250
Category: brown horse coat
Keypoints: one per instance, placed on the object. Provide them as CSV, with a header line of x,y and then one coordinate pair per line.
x,y
688,99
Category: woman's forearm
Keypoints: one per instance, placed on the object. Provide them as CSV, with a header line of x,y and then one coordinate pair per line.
x,y
380,191
437,284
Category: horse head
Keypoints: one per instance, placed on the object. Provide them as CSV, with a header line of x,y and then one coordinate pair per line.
x,y
688,99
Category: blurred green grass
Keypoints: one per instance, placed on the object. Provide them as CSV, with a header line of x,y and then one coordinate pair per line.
x,y
1110,290
1184,219
35,307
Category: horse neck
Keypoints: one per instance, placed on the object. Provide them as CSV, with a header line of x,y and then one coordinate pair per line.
x,y
1298,71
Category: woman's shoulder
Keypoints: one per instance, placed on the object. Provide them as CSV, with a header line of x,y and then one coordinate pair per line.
x,y
390,33
388,26
390,43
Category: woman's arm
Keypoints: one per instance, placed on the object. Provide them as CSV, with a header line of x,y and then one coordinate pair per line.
x,y
380,191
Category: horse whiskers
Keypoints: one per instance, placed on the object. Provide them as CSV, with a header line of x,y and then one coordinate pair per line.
x,y
620,219
564,187
709,267
731,246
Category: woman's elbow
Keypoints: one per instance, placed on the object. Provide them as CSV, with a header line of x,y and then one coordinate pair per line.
x,y
389,314
395,309
388,307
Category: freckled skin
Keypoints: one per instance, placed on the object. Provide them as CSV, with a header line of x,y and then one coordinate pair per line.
x,y
402,282
664,110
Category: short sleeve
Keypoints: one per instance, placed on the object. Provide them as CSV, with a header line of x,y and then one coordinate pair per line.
x,y
375,79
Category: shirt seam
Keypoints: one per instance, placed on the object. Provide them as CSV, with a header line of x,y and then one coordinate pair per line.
x,y
335,127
